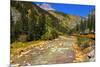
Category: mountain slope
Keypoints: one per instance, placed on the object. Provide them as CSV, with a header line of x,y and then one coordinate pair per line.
x,y
30,22
68,20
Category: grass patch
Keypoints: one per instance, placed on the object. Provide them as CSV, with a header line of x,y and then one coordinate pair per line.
x,y
18,47
83,42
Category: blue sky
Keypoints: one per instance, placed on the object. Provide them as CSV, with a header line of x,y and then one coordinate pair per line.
x,y
74,9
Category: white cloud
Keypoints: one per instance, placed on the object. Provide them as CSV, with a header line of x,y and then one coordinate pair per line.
x,y
46,6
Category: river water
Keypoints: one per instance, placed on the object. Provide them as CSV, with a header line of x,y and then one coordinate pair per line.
x,y
56,51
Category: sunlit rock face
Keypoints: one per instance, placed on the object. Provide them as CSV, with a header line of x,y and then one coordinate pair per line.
x,y
15,14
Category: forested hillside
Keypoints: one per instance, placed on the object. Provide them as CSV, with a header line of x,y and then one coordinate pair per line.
x,y
86,25
30,22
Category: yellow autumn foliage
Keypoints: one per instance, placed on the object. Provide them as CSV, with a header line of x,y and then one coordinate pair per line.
x,y
79,54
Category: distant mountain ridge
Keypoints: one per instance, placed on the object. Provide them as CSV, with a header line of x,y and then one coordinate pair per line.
x,y
45,6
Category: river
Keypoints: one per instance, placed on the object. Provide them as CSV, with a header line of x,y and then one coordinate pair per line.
x,y
56,51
